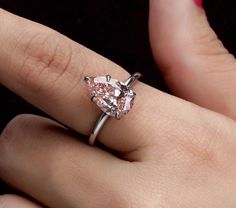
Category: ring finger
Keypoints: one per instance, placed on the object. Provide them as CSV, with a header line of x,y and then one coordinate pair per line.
x,y
48,69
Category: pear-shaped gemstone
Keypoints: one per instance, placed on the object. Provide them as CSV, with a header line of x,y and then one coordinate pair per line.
x,y
111,95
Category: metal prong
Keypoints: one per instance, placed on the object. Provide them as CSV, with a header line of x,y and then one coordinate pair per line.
x,y
86,78
93,98
129,83
108,77
119,84
117,116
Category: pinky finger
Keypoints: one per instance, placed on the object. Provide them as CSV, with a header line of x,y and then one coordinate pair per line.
x,y
14,201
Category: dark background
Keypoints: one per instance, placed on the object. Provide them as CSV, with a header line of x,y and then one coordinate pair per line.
x,y
117,29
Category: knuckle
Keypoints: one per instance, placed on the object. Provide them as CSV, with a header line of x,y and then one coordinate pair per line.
x,y
16,121
215,58
4,201
47,56
7,200
208,149
197,140
204,38
12,130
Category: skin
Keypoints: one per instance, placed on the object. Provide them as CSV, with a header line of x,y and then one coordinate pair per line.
x,y
173,152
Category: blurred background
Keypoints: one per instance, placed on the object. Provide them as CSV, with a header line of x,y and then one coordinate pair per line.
x,y
116,29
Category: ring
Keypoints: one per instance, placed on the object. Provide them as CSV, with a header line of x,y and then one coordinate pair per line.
x,y
113,97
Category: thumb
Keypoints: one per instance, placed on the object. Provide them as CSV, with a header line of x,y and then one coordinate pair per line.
x,y
193,60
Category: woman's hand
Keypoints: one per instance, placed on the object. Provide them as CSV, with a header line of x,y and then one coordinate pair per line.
x,y
172,153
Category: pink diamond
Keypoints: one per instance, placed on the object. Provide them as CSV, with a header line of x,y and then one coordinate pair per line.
x,y
111,95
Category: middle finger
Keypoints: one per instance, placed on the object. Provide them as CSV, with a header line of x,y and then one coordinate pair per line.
x,y
40,158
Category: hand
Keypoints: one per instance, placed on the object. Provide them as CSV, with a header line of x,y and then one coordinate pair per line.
x,y
172,153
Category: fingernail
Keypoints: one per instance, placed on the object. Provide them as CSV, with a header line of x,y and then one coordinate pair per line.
x,y
199,3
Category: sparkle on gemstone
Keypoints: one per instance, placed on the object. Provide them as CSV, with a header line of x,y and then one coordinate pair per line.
x,y
112,96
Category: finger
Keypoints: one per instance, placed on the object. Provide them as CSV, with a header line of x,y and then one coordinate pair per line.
x,y
51,78
40,158
14,201
47,69
193,60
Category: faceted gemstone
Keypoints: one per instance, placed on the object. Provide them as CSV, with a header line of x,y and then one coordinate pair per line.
x,y
111,95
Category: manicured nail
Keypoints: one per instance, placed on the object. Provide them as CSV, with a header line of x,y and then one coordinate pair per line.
x,y
198,2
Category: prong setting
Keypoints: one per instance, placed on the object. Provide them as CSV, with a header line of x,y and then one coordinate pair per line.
x,y
118,83
108,78
94,98
86,79
113,97
121,86
117,116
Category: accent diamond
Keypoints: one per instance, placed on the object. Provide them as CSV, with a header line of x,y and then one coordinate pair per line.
x,y
111,95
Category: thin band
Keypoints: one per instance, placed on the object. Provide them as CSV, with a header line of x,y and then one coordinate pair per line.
x,y
98,126
104,117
